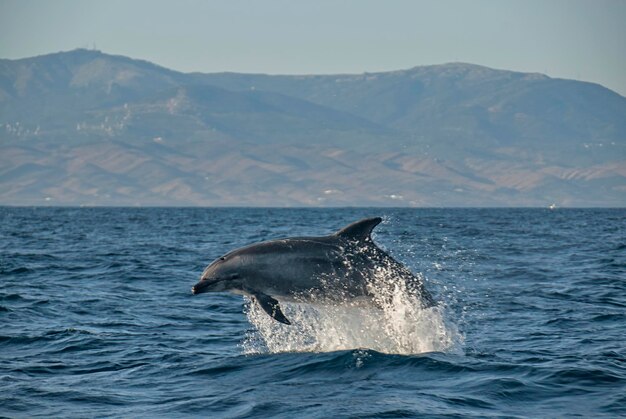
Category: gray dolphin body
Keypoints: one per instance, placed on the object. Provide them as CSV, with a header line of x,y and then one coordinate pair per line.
x,y
329,269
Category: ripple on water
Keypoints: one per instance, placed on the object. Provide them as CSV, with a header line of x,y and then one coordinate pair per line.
x,y
98,320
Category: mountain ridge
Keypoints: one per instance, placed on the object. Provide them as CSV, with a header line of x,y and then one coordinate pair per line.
x,y
453,134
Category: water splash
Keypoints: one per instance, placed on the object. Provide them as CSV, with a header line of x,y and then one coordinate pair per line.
x,y
396,324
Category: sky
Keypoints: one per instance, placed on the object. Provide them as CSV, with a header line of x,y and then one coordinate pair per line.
x,y
575,39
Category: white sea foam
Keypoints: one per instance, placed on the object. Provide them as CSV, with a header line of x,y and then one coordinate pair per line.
x,y
399,325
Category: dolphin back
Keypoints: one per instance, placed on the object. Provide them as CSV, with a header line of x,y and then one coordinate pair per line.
x,y
372,256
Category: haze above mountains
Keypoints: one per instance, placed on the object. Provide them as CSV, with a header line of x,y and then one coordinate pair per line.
x,y
87,128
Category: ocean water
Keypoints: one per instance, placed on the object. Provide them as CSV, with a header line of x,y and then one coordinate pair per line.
x,y
97,318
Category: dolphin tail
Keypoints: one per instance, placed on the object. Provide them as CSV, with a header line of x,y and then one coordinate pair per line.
x,y
270,306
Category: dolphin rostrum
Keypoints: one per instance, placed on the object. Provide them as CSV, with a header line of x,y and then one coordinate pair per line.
x,y
337,268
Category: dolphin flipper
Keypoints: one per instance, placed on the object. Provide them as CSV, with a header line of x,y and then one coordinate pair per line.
x,y
271,307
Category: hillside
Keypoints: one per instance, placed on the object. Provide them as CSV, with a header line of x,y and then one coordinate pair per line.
x,y
83,127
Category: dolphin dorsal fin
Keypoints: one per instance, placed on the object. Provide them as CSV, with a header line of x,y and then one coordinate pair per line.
x,y
359,230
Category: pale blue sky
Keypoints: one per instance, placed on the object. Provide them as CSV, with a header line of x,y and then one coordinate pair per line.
x,y
584,40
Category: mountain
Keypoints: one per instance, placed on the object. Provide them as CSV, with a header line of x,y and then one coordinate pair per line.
x,y
83,127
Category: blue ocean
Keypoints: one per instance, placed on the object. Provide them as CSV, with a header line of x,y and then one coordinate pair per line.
x,y
98,318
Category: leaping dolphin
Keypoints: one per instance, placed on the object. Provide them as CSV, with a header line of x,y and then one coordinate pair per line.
x,y
335,269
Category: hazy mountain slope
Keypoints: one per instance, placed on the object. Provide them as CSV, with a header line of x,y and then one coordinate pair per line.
x,y
460,103
84,127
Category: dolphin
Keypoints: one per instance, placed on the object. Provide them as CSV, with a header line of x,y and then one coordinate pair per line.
x,y
330,269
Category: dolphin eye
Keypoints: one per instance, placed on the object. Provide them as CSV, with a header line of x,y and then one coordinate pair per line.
x,y
222,258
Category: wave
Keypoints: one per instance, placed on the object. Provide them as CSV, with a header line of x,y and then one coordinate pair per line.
x,y
396,324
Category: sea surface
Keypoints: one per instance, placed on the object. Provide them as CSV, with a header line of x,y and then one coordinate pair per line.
x,y
97,317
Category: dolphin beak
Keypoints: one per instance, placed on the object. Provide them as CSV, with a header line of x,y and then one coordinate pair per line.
x,y
200,287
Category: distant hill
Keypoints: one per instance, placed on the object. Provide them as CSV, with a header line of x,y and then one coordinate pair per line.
x,y
83,127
